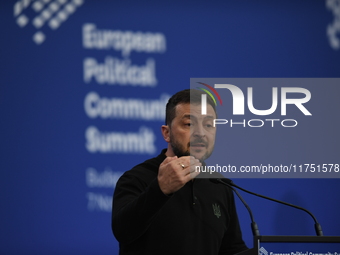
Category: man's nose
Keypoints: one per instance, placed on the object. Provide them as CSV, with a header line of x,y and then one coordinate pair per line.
x,y
198,131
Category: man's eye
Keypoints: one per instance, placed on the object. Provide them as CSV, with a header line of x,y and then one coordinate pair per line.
x,y
188,124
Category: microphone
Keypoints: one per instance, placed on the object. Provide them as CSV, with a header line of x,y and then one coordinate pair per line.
x,y
254,227
317,225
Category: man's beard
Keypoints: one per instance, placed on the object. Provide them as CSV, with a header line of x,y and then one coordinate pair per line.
x,y
177,148
180,151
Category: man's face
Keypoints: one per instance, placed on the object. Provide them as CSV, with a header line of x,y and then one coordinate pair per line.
x,y
193,134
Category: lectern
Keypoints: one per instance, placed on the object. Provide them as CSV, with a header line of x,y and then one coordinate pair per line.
x,y
294,245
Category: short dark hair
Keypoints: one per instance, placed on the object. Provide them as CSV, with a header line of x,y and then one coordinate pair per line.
x,y
186,96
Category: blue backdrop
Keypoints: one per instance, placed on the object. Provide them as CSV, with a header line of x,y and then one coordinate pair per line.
x,y
83,84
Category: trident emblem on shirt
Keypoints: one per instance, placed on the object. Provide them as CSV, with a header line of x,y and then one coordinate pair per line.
x,y
217,210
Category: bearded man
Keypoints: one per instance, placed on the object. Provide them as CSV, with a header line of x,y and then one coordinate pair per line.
x,y
165,205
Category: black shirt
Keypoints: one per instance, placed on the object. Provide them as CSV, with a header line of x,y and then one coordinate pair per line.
x,y
200,218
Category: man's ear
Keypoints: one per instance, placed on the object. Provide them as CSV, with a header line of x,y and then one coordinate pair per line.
x,y
166,133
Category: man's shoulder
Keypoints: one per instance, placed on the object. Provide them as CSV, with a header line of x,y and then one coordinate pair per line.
x,y
151,164
146,169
